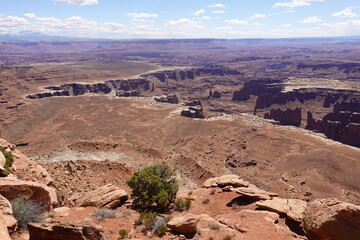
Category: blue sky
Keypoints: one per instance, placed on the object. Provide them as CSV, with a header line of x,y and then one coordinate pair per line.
x,y
119,19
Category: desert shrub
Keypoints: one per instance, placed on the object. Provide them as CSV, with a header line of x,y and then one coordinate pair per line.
x,y
123,233
213,191
154,187
210,238
153,222
9,159
214,226
26,211
101,214
227,238
182,205
205,201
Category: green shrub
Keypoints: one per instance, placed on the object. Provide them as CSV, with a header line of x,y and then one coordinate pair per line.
x,y
154,187
210,238
26,211
102,214
123,233
182,205
9,160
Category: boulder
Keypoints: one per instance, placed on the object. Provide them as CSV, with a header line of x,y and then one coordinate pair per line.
x,y
292,208
4,233
61,231
34,191
62,211
254,192
108,196
331,219
3,172
225,180
7,214
185,224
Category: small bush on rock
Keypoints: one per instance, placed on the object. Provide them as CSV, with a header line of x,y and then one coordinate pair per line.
x,y
26,211
9,159
227,238
154,223
101,214
205,201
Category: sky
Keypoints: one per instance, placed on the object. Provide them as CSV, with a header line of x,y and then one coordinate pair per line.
x,y
120,19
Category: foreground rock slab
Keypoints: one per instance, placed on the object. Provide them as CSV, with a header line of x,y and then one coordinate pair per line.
x,y
292,208
185,224
108,196
61,231
34,191
255,192
331,219
225,180
4,233
7,214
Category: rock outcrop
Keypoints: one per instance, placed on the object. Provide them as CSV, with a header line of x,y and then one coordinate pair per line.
x,y
34,191
285,117
331,219
61,231
108,196
121,87
6,213
254,192
292,208
184,224
225,180
4,233
172,98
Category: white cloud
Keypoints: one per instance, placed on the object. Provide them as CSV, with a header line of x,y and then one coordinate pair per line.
x,y
199,12
346,13
257,15
184,23
218,11
205,18
287,25
345,28
79,2
29,15
314,19
237,21
223,29
142,15
217,5
74,26
295,3
258,24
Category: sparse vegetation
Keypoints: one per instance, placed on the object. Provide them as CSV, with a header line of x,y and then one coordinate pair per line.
x,y
182,205
123,233
205,200
154,223
213,191
26,211
210,238
227,238
102,214
154,187
9,159
214,226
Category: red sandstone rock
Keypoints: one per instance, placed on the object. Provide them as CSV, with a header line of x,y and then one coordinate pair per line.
x,y
37,192
331,219
62,231
7,214
184,224
4,233
255,192
225,180
107,196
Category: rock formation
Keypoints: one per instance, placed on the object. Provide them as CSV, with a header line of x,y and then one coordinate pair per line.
x,y
195,109
285,117
331,219
107,196
61,231
171,98
225,180
184,224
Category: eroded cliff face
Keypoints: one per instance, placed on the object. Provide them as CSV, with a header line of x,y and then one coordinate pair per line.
x,y
285,117
342,125
121,87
